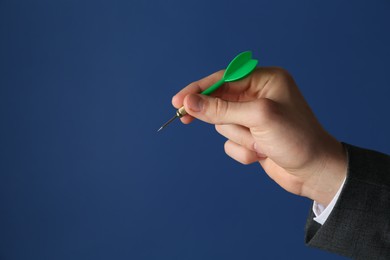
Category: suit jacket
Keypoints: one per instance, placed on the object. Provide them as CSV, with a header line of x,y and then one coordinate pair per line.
x,y
359,224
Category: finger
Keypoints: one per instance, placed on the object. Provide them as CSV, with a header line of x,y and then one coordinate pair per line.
x,y
187,119
241,90
240,153
196,87
246,89
238,134
258,113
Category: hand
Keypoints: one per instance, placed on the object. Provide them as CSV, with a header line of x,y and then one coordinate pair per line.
x,y
266,119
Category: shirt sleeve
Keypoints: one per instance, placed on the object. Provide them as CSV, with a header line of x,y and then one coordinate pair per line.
x,y
358,226
321,212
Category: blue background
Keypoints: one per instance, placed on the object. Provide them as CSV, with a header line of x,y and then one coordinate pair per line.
x,y
84,85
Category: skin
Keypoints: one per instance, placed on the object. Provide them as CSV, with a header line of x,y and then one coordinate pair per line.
x,y
266,119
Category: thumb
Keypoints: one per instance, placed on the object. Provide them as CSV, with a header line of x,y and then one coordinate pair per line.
x,y
218,111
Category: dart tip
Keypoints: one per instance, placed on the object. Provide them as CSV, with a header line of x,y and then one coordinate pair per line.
x,y
167,123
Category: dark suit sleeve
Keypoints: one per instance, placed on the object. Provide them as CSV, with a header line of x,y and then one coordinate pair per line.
x,y
359,224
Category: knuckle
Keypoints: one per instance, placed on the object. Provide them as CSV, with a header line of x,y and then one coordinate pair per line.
x,y
218,128
195,87
245,142
247,158
220,72
221,107
280,72
267,110
226,148
281,75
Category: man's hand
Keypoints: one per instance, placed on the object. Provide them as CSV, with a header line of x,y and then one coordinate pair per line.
x,y
266,119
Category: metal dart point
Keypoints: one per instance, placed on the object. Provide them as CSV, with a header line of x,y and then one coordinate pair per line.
x,y
179,114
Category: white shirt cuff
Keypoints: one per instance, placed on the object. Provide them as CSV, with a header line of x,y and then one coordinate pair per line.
x,y
321,213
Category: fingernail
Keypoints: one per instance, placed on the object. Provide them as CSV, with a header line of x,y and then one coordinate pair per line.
x,y
195,103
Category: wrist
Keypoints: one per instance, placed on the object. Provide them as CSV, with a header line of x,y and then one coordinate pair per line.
x,y
324,183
